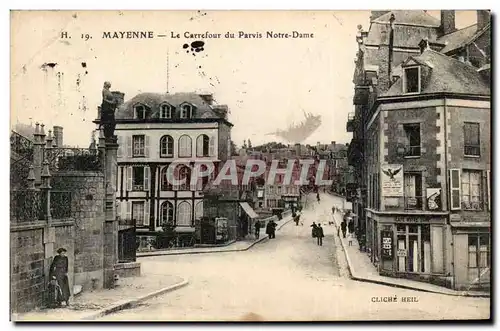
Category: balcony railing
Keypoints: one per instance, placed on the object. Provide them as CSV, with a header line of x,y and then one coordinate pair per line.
x,y
470,150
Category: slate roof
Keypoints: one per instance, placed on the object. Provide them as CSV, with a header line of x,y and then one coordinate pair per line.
x,y
154,100
446,74
458,38
416,17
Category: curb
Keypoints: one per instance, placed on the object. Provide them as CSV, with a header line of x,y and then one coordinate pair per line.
x,y
407,287
216,251
126,304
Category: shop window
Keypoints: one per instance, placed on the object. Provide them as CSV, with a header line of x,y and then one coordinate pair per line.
x,y
471,190
479,260
413,254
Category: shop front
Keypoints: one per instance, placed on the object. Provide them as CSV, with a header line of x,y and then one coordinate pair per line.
x,y
409,246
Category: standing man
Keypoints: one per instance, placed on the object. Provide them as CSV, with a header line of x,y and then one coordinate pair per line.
x,y
257,229
350,226
320,234
343,227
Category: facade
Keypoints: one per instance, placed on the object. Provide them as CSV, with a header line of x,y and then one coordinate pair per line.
x,y
422,147
154,131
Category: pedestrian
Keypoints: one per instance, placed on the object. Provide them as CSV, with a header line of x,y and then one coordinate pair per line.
x,y
54,293
313,230
351,237
59,271
257,229
350,226
271,229
320,234
343,227
317,197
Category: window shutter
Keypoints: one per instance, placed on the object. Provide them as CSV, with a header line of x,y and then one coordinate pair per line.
x,y
129,210
120,147
129,178
146,146
455,189
199,145
147,172
129,146
123,210
146,213
211,146
488,188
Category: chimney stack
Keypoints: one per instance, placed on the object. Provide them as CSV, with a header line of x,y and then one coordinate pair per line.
x,y
58,136
483,18
208,98
447,21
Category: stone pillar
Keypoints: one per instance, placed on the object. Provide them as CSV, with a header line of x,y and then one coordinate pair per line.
x,y
49,235
110,222
37,155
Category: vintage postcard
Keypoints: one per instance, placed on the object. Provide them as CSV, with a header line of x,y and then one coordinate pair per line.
x,y
250,165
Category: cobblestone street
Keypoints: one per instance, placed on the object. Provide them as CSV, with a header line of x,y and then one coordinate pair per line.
x,y
289,278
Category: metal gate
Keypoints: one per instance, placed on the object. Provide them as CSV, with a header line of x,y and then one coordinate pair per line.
x,y
127,245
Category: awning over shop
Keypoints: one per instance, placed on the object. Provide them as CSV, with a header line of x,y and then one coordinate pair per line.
x,y
248,210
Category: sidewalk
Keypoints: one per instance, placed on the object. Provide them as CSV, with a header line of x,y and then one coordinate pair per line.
x,y
94,304
362,269
236,246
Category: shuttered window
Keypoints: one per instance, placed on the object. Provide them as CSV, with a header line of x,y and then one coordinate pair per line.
x,y
455,189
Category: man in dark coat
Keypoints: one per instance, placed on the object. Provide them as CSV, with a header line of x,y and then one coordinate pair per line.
x,y
350,226
320,234
343,227
257,229
313,230
59,270
271,229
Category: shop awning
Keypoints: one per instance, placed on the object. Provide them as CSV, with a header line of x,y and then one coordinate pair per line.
x,y
248,210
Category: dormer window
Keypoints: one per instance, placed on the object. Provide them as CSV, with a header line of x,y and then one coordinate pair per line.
x,y
140,112
412,80
165,111
186,111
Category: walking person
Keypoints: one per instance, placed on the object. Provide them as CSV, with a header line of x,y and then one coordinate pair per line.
x,y
343,227
313,230
271,229
320,234
350,226
257,229
59,271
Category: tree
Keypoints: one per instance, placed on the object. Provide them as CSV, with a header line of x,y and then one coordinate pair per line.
x,y
244,144
249,144
233,150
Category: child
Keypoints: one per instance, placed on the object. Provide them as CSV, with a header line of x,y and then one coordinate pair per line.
x,y
54,293
350,236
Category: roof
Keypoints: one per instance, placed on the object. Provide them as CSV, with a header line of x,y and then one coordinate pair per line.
x,y
413,17
446,74
458,38
154,100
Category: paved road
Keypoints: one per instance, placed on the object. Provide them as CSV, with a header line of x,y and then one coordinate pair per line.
x,y
289,278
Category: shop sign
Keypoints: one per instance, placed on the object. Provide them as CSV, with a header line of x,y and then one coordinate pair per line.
x,y
401,252
392,180
455,218
386,244
434,198
412,219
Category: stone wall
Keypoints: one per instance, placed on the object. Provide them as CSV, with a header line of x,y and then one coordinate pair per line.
x,y
87,210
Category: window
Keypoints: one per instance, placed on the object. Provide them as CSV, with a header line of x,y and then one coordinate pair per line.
x,y
203,145
165,184
198,210
138,145
412,80
479,260
184,214
167,213
472,145
412,139
184,172
413,248
471,190
137,178
413,190
140,112
185,149
186,111
165,111
138,212
166,146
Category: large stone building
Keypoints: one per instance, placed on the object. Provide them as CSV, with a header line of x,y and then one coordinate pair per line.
x,y
421,148
155,130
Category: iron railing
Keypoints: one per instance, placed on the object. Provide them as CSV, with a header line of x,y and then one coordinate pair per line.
x,y
26,206
60,204
21,146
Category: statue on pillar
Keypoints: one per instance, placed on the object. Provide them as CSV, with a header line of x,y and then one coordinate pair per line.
x,y
108,107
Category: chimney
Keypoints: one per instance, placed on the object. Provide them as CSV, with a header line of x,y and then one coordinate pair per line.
x,y
483,18
221,110
377,13
424,45
58,136
119,97
208,98
447,21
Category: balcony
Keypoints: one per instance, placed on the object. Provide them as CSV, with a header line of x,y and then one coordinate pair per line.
x,y
351,122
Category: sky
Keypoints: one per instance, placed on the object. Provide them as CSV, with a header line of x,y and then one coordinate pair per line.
x,y
267,83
